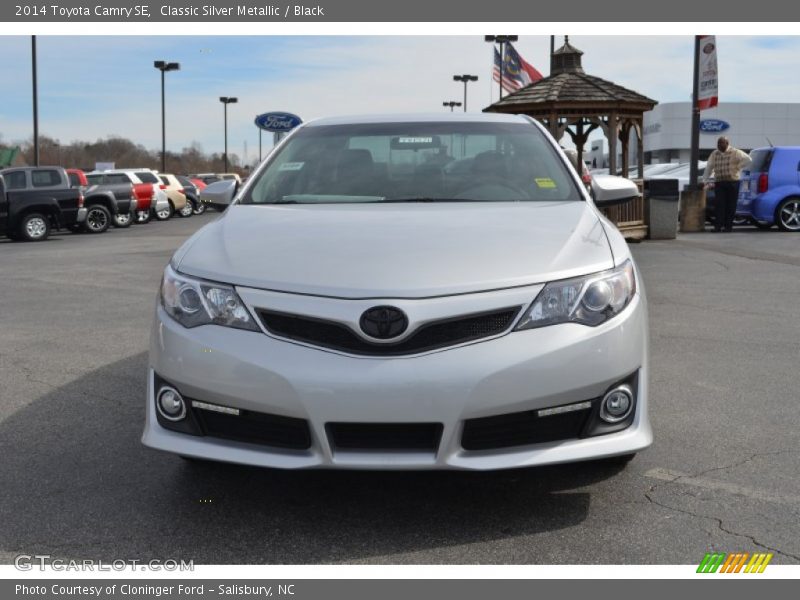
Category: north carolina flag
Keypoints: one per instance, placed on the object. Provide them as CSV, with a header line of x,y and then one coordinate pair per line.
x,y
517,72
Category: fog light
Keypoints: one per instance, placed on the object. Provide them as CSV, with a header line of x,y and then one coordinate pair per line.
x,y
170,404
617,404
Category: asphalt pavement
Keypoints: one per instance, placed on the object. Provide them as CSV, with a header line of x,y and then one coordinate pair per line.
x,y
76,483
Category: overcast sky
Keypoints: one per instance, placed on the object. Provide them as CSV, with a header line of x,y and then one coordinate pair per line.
x,y
92,87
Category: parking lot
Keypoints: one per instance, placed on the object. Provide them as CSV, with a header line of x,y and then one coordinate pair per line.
x,y
75,314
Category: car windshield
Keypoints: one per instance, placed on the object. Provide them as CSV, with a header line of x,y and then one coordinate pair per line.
x,y
414,162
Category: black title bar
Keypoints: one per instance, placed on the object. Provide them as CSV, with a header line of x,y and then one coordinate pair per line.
x,y
462,11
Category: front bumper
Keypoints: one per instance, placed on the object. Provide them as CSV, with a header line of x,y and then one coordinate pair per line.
x,y
519,371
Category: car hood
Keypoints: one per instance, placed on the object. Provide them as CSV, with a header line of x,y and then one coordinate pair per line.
x,y
397,250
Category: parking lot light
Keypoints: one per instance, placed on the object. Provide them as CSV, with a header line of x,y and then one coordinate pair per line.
x,y
164,66
225,101
466,79
451,104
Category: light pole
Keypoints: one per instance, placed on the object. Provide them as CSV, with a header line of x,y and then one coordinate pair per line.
x,y
164,66
35,104
465,79
502,40
451,104
225,101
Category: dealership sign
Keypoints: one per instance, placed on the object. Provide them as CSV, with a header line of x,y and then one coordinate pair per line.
x,y
278,122
713,126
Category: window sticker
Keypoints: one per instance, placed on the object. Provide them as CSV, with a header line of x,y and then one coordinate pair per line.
x,y
291,166
545,182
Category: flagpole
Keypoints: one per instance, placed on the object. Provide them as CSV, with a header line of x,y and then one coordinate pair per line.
x,y
695,145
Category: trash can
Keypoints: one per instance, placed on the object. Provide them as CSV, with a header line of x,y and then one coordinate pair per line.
x,y
661,208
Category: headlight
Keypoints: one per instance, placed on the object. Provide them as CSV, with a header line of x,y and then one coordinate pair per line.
x,y
589,300
192,302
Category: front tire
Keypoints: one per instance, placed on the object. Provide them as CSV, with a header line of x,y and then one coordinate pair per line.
x,y
98,219
123,220
787,215
142,217
187,210
165,213
34,227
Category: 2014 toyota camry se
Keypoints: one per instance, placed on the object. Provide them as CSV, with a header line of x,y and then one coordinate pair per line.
x,y
410,292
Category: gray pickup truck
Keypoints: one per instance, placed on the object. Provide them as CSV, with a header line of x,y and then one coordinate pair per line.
x,y
114,193
107,201
35,200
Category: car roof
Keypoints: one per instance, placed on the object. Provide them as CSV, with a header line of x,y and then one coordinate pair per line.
x,y
776,148
419,118
30,168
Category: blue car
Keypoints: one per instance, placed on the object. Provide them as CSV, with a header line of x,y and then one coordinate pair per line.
x,y
769,193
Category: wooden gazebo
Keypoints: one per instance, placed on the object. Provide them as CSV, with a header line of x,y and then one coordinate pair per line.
x,y
572,101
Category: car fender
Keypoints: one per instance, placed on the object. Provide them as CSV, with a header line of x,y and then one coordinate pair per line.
x,y
765,204
107,199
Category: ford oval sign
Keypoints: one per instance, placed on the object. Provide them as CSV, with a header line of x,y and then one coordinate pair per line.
x,y
279,122
713,126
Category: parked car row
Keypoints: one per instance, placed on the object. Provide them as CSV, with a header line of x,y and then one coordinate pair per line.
x,y
36,200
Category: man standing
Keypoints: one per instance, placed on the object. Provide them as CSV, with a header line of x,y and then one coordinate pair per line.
x,y
725,164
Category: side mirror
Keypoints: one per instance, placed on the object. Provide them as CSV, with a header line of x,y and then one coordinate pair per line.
x,y
608,190
219,195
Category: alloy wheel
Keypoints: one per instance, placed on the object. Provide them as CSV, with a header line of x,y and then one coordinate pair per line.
x,y
36,228
97,220
789,215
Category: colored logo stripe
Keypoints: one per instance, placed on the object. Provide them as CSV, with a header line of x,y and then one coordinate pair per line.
x,y
733,563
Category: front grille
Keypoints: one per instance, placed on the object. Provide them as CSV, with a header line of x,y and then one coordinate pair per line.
x,y
256,428
521,429
439,334
385,436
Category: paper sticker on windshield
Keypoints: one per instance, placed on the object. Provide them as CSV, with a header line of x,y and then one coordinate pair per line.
x,y
545,182
415,140
294,166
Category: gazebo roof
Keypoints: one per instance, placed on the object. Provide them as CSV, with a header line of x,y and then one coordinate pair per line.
x,y
569,85
572,88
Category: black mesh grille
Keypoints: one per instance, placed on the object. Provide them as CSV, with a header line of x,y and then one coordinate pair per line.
x,y
432,336
521,429
256,428
385,436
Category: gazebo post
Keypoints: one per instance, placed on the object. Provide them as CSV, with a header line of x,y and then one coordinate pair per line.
x,y
624,136
640,147
612,134
579,145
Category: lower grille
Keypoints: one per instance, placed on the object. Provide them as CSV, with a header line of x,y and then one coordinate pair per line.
x,y
385,436
439,334
522,429
256,428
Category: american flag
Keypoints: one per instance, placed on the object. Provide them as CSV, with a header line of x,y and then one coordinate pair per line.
x,y
517,73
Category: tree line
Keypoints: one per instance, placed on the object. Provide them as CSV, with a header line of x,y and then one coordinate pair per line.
x,y
123,153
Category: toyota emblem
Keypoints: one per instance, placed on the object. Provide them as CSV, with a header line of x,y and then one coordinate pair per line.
x,y
383,322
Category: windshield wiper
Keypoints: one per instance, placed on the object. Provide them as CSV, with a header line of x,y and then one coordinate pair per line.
x,y
428,199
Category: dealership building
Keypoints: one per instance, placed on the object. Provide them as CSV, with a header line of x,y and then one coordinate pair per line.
x,y
748,125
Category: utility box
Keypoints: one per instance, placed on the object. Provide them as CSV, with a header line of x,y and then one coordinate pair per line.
x,y
661,204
